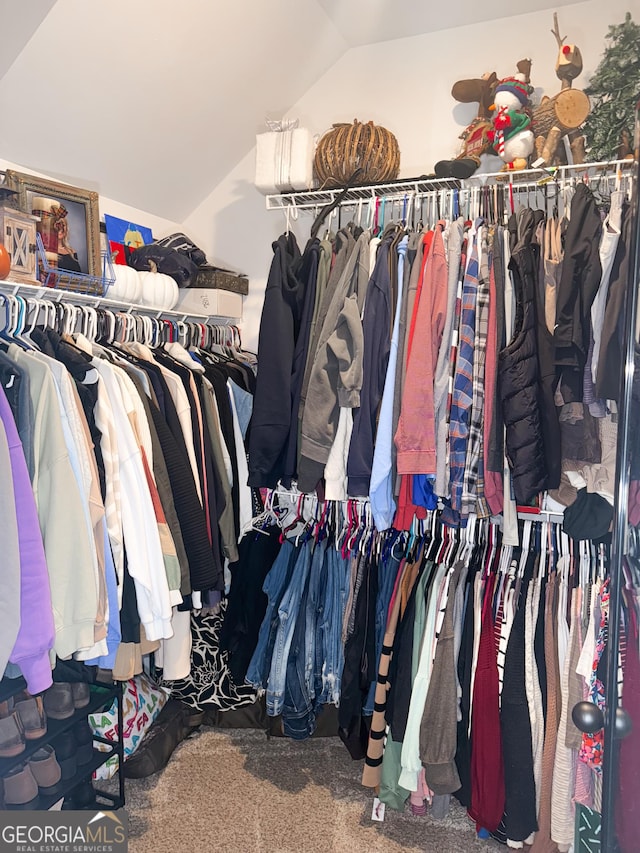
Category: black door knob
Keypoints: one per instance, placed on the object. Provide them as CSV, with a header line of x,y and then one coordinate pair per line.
x,y
624,724
587,717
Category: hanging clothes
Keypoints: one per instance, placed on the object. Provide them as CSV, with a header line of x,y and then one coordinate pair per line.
x,y
121,501
461,644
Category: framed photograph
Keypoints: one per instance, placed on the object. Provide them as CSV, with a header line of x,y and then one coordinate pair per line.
x,y
70,224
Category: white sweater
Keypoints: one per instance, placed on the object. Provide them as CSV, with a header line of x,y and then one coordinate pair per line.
x,y
141,537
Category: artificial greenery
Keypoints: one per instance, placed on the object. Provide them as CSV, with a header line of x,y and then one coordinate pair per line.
x,y
614,89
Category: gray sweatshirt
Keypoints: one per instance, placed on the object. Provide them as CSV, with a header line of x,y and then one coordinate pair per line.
x,y
335,376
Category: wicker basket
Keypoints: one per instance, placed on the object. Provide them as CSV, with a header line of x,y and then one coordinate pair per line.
x,y
349,147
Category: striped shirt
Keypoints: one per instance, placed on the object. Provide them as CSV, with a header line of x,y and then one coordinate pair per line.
x,y
473,499
463,384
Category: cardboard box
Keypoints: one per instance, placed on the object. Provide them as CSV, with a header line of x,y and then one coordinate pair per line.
x,y
210,301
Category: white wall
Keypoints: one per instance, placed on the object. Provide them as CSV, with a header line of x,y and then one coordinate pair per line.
x,y
404,85
157,100
159,226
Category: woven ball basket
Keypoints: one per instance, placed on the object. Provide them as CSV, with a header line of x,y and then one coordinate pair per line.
x,y
349,147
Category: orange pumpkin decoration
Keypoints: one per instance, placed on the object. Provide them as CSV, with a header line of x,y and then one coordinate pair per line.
x,y
5,262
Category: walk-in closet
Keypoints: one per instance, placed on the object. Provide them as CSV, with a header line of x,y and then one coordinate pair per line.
x,y
319,404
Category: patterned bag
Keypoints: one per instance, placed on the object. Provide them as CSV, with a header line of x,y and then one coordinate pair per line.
x,y
209,684
142,702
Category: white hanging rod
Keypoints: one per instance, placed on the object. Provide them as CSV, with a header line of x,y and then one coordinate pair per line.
x,y
540,175
35,291
312,199
417,187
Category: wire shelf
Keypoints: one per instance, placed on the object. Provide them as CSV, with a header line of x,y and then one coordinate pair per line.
x,y
55,294
396,190
77,282
415,187
541,175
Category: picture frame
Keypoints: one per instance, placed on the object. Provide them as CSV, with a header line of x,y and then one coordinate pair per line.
x,y
82,221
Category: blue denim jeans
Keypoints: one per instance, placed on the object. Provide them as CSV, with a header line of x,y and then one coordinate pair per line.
x,y
313,619
274,586
335,598
287,615
298,714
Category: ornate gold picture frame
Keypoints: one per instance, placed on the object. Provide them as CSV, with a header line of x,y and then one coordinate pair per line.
x,y
79,232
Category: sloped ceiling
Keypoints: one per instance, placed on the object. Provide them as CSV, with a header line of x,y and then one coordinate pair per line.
x,y
370,21
153,102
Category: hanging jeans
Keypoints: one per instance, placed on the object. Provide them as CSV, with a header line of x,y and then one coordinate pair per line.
x,y
335,602
274,587
313,659
288,610
298,716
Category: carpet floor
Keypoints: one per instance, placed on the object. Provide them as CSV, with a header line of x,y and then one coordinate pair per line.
x,y
235,791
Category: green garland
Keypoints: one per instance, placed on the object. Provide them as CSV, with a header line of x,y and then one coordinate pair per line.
x,y
614,90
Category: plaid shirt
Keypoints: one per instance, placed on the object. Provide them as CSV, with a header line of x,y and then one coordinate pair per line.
x,y
463,384
453,353
473,499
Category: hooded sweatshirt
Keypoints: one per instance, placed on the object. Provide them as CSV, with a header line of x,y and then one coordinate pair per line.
x,y
335,377
36,632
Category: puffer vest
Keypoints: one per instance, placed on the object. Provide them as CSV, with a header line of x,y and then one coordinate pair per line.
x,y
520,390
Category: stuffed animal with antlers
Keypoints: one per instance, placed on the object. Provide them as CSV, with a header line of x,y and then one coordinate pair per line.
x,y
476,137
562,115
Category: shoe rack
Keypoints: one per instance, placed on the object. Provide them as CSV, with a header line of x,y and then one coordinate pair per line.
x,y
101,697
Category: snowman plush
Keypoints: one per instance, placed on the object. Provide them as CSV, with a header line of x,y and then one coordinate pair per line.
x,y
511,134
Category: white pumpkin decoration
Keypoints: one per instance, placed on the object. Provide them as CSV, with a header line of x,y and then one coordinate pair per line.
x,y
127,286
158,290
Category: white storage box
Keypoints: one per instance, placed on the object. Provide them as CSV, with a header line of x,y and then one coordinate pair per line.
x,y
214,302
284,160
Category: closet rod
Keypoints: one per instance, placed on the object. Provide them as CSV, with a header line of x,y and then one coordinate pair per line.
x,y
312,199
523,515
571,170
418,187
35,291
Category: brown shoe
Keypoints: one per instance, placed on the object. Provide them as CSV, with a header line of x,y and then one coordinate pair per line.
x,y
6,707
81,694
30,709
11,736
20,789
46,770
58,701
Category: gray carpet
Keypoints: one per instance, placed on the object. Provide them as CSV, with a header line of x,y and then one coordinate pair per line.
x,y
237,792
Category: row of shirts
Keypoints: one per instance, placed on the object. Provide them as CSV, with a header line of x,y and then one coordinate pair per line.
x,y
447,364
126,468
486,650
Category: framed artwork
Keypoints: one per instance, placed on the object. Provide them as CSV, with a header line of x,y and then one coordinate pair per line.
x,y
127,233
70,223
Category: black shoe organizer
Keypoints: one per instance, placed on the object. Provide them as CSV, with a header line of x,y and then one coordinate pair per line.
x,y
101,697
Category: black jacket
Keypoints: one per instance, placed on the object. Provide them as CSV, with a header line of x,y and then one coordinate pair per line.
x,y
279,327
520,391
611,358
307,274
579,282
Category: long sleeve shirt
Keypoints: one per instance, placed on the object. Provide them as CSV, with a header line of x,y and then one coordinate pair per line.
x,y
27,628
376,327
415,436
383,505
